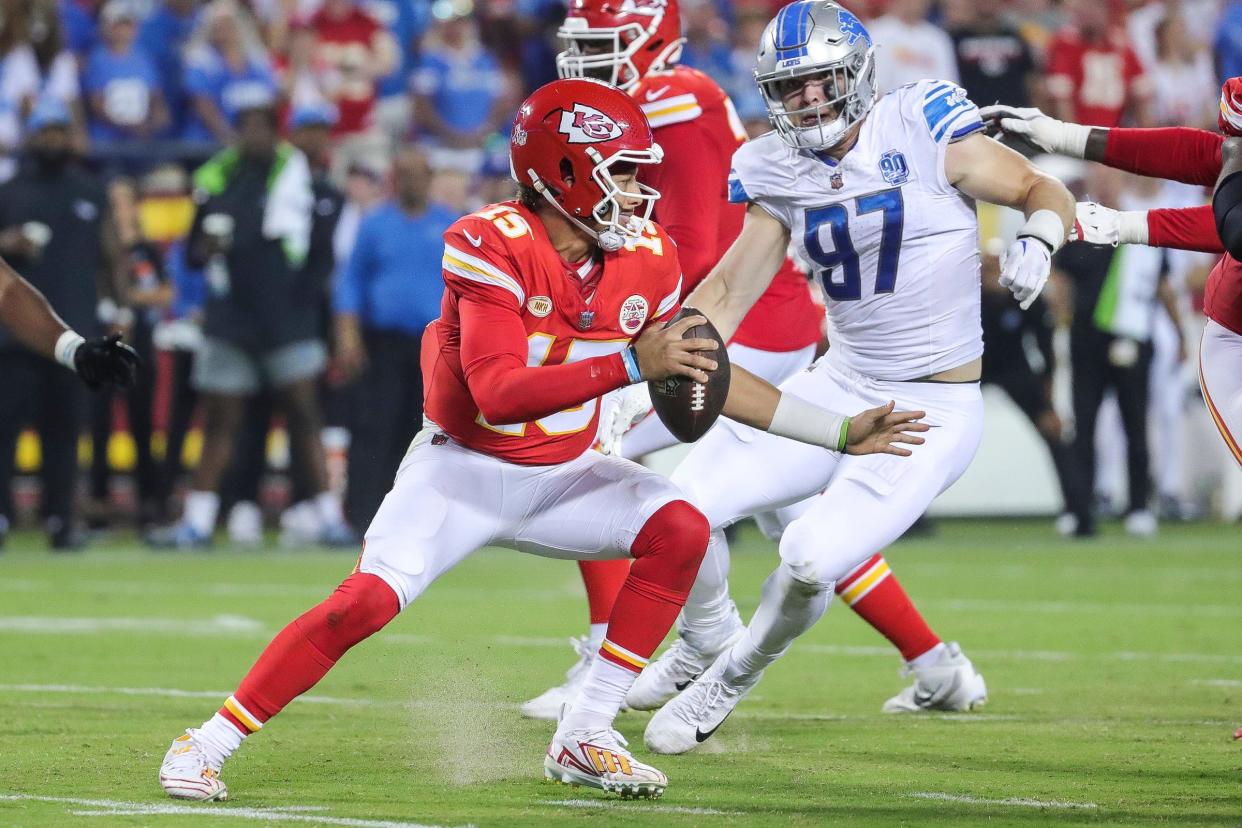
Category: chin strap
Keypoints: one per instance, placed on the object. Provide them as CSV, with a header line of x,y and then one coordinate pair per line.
x,y
610,241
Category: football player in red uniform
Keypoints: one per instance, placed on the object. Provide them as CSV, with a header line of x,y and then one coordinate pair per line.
x,y
1193,156
552,300
635,46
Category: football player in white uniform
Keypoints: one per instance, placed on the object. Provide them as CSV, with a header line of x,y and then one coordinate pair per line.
x,y
878,195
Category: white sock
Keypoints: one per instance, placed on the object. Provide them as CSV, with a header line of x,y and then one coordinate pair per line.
x,y
930,657
595,636
710,617
600,697
328,507
219,738
788,607
201,510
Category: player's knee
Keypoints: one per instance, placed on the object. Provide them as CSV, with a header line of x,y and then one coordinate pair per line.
x,y
804,554
677,531
361,606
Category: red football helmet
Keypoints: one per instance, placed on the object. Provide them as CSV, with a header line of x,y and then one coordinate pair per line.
x,y
1230,118
566,137
619,41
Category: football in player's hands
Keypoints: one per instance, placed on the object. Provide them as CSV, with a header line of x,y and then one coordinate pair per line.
x,y
686,406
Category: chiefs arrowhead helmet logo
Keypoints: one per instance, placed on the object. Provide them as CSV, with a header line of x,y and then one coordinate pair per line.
x,y
587,125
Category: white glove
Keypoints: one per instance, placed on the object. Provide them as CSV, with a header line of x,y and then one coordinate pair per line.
x,y
1042,130
1024,269
621,410
1097,224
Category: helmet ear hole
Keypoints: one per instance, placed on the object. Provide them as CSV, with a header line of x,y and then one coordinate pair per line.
x,y
566,169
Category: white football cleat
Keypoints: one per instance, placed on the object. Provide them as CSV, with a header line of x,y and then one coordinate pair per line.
x,y
600,759
547,705
952,683
696,712
187,773
674,671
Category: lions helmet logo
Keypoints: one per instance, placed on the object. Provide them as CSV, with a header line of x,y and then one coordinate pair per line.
x,y
587,125
852,28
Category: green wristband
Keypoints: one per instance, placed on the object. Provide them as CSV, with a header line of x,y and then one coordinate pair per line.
x,y
845,429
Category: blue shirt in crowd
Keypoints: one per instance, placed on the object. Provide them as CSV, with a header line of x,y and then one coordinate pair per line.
x,y
463,86
189,284
392,280
81,31
406,22
1229,42
208,74
126,84
162,36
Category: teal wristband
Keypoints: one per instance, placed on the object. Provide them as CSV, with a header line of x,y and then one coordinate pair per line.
x,y
845,429
630,359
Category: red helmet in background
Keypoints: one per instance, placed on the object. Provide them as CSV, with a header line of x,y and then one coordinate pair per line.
x,y
1230,118
567,137
619,41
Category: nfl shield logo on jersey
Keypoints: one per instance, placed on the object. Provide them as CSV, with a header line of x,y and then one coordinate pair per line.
x,y
894,168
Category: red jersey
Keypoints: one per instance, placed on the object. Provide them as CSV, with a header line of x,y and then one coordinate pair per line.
x,y
526,342
347,46
1191,156
699,130
1100,77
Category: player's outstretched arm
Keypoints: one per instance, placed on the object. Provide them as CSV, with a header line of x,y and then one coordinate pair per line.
x,y
1181,154
1183,228
757,403
743,273
26,314
986,170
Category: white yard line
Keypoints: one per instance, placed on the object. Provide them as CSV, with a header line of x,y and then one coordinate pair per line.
x,y
109,807
614,805
56,625
1019,802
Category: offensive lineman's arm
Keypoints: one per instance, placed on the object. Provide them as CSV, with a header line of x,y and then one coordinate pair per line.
x,y
743,273
989,171
1227,198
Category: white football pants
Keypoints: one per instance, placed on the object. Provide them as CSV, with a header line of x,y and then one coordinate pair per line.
x,y
1220,374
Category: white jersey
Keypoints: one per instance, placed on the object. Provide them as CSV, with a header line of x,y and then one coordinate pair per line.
x,y
894,245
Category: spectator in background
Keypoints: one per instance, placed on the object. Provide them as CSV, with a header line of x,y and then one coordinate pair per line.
x,y
460,92
17,73
739,83
909,48
164,35
364,190
994,62
405,22
57,66
55,230
707,46
124,100
357,52
1228,42
252,233
227,69
1184,86
389,291
81,31
1093,76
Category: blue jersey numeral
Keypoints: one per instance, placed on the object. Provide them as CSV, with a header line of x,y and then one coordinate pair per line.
x,y
838,219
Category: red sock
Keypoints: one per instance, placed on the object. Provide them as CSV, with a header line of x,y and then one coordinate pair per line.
x,y
303,652
872,591
667,554
603,580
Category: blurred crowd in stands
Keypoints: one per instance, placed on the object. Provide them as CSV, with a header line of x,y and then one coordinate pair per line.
x,y
401,108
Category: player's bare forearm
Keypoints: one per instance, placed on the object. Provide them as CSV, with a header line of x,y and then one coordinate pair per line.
x,y
25,313
1227,198
743,273
989,171
752,400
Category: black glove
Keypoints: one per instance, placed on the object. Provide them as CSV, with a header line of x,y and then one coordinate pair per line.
x,y
106,360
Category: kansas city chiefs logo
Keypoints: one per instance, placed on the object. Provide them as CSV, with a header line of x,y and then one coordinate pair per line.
x,y
587,125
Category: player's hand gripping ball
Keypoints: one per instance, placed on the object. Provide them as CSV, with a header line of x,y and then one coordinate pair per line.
x,y
688,407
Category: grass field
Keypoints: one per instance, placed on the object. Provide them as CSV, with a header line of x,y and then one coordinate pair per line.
x,y
1115,671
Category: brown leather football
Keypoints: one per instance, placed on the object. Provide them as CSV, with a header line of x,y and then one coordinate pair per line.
x,y
688,408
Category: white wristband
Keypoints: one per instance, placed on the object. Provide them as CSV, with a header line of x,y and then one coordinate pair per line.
x,y
805,422
1132,227
66,346
1046,226
1073,139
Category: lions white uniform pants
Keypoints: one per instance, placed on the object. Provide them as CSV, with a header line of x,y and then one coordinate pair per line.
x,y
448,501
1220,374
867,502
650,435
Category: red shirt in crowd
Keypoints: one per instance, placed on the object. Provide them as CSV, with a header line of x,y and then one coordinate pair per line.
x,y
350,46
1100,78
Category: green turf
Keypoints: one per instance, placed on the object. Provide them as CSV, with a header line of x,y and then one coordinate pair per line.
x,y
1113,667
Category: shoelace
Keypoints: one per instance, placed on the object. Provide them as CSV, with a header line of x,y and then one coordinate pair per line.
x,y
712,692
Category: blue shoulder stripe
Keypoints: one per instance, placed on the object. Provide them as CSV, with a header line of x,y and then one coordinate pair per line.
x,y
952,115
966,130
737,193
